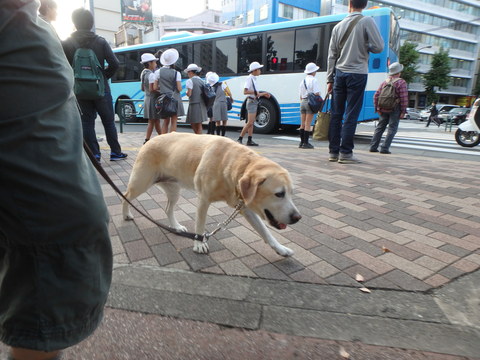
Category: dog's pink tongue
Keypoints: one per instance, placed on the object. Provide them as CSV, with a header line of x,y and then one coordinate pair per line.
x,y
282,226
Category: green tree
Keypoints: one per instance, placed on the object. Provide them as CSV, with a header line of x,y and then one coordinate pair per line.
x,y
408,57
437,76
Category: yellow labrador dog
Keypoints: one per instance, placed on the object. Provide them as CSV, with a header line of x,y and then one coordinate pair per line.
x,y
218,169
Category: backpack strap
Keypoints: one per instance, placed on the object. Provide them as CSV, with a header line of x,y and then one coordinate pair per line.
x,y
347,33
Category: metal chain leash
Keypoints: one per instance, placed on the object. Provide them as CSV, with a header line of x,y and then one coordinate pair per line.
x,y
223,225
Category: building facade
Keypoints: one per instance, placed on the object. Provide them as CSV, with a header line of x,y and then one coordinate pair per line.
x,y
432,24
242,13
108,18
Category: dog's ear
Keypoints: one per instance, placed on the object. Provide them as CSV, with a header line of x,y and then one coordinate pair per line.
x,y
248,187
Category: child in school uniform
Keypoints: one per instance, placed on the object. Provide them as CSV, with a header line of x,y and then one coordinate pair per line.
x,y
307,85
219,109
149,110
250,89
169,81
197,111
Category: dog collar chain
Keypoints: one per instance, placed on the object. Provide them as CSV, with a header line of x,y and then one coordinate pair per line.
x,y
223,225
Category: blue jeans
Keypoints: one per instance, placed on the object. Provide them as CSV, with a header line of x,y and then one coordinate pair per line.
x,y
89,113
391,119
347,101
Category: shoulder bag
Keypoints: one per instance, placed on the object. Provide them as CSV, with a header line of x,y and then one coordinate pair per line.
x,y
166,104
315,102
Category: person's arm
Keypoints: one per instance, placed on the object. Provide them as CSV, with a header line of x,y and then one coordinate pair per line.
x,y
375,97
403,94
111,59
189,86
69,50
179,82
375,40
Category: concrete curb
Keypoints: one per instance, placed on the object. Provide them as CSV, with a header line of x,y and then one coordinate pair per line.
x,y
444,321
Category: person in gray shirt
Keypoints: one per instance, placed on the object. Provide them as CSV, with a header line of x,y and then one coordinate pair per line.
x,y
347,74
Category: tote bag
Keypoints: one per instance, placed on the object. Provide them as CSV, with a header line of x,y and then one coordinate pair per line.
x,y
320,132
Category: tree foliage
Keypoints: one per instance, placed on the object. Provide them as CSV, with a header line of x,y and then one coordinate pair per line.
x,y
408,57
437,76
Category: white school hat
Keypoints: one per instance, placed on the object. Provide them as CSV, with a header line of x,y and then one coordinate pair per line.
x,y
395,68
254,66
169,57
193,67
147,57
310,68
212,78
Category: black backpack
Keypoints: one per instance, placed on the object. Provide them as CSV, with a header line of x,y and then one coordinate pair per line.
x,y
208,95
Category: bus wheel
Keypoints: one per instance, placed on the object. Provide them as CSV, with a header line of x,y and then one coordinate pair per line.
x,y
266,121
127,111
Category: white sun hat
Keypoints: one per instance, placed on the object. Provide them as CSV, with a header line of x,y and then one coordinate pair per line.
x,y
254,66
310,68
395,68
147,57
169,57
212,78
193,67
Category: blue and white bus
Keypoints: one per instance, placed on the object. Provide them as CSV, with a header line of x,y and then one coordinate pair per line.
x,y
284,48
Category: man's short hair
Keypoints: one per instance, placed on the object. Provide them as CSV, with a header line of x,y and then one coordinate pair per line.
x,y
359,4
82,19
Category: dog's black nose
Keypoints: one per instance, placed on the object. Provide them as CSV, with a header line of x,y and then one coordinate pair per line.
x,y
295,217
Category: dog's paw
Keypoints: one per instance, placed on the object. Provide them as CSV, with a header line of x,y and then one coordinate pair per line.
x,y
180,228
129,216
200,247
284,251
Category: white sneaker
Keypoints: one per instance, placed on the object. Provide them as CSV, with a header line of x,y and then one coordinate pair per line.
x,y
348,159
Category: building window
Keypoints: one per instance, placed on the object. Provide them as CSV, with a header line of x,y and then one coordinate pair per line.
x,y
216,19
264,12
251,17
293,12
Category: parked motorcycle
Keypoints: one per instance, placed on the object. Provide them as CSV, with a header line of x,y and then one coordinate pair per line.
x,y
468,132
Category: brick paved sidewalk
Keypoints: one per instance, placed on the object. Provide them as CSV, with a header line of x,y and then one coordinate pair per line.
x,y
400,221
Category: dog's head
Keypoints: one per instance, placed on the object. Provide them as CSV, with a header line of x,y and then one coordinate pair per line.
x,y
267,189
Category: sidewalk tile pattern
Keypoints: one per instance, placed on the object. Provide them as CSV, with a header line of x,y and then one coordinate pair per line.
x,y
401,221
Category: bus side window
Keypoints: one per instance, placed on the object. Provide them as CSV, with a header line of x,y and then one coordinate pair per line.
x,y
306,47
280,51
226,56
249,50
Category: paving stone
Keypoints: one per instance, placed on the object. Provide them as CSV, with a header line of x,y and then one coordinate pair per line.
x,y
236,268
129,233
137,250
454,250
364,246
166,254
197,261
289,265
324,269
406,281
369,261
341,262
270,271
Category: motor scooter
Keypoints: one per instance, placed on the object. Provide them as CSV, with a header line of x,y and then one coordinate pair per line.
x,y
468,132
